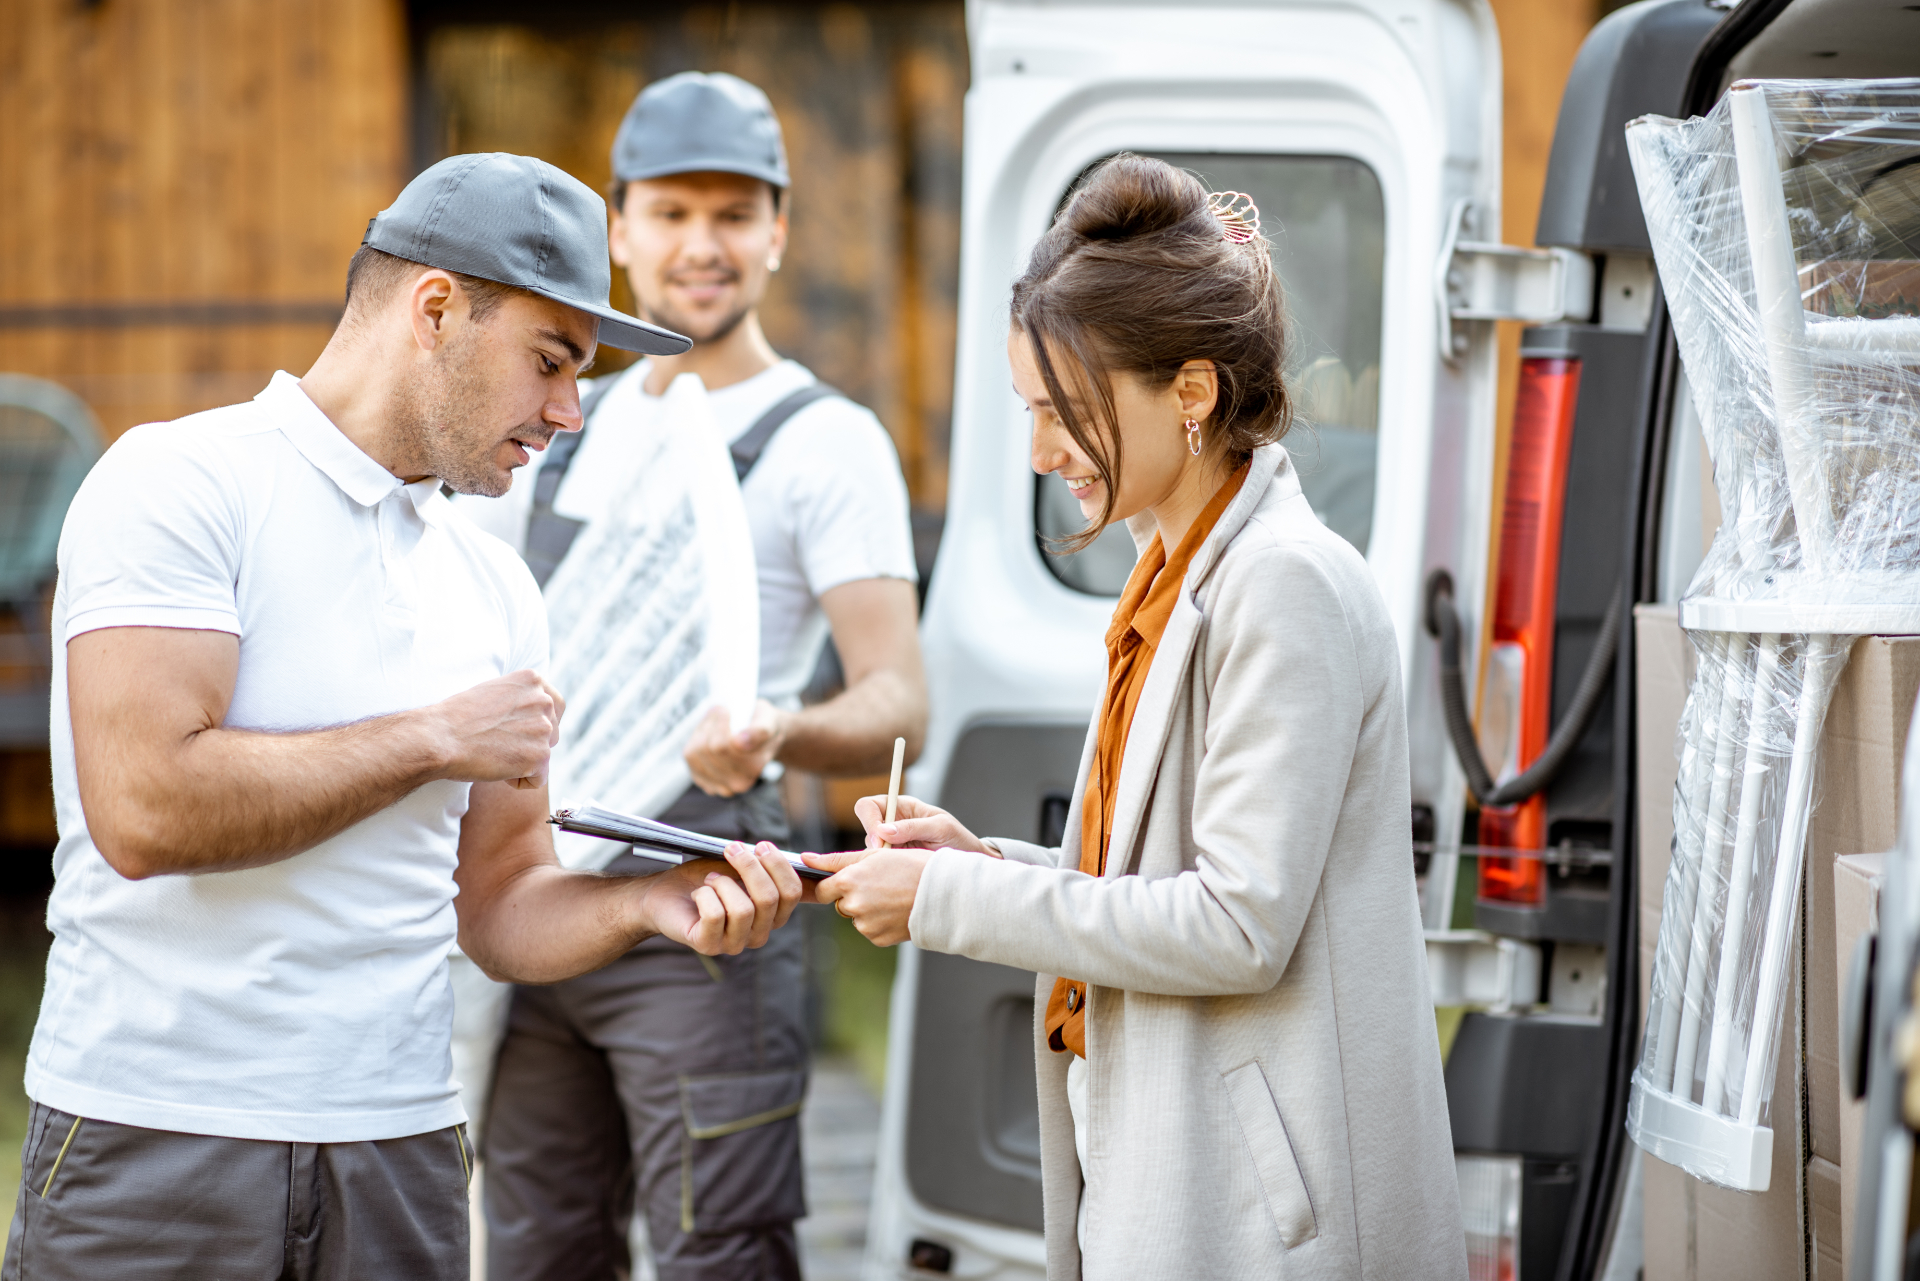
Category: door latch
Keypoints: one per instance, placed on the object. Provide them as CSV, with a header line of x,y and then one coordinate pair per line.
x,y
1478,281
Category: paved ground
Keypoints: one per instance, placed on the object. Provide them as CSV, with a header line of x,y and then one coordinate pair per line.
x,y
840,1130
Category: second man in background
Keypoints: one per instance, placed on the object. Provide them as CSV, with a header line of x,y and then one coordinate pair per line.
x,y
666,1077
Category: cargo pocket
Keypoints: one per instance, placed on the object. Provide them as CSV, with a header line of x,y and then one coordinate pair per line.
x,y
740,1150
1272,1153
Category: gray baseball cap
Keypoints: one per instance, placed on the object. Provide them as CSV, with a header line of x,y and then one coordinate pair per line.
x,y
516,221
698,122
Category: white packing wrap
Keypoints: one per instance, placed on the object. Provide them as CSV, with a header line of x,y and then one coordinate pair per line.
x,y
1786,227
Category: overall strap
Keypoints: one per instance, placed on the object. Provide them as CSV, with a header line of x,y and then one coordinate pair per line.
x,y
746,450
550,534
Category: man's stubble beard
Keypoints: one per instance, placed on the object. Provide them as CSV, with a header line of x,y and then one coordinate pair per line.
x,y
668,317
443,422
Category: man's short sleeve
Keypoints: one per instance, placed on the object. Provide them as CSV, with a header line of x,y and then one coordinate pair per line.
x,y
153,538
848,496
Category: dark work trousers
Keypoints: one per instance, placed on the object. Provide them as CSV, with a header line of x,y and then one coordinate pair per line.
x,y
104,1200
666,1077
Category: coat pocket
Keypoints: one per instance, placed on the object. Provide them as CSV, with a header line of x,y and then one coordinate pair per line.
x,y
740,1150
1272,1152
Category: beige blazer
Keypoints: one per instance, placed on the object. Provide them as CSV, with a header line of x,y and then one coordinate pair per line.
x,y
1264,1093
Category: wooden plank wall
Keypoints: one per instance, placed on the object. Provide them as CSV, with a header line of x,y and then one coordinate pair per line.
x,y
870,98
178,172
184,183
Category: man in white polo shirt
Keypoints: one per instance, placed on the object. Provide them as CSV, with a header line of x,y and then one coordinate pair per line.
x,y
298,741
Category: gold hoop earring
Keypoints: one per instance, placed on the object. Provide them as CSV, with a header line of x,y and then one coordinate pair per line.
x,y
1193,438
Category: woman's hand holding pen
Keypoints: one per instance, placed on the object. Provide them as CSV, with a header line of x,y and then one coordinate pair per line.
x,y
916,826
875,888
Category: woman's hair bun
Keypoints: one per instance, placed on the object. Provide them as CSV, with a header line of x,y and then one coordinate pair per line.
x,y
1135,196
1138,275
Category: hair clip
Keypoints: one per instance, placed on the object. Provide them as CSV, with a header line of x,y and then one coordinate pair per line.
x,y
1239,216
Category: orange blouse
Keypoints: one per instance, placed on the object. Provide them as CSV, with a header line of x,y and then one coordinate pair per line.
x,y
1139,620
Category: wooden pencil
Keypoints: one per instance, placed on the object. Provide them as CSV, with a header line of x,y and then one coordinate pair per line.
x,y
893,786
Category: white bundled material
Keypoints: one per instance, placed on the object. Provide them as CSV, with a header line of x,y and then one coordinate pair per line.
x,y
1786,225
655,614
1700,1098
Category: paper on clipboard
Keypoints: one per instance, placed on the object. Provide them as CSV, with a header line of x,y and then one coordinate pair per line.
x,y
659,840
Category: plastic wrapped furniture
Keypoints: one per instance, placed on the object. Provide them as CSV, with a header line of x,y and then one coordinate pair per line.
x,y
1786,227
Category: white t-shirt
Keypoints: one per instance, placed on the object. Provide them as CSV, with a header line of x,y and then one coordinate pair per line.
x,y
306,1001
826,503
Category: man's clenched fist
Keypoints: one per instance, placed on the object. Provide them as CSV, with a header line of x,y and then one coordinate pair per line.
x,y
502,729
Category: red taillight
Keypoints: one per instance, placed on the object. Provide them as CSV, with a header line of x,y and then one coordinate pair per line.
x,y
1517,700
1513,880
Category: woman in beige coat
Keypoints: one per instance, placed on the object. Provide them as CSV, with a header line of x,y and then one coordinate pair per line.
x,y
1238,1069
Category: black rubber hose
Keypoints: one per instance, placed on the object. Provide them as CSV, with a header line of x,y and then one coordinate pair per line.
x,y
1443,622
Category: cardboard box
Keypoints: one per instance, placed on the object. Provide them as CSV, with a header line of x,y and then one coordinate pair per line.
x,y
1855,811
1857,879
1802,1224
1824,1220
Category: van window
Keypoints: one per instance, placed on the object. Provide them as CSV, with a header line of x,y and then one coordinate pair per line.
x,y
1327,222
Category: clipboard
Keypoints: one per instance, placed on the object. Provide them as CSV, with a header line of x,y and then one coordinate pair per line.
x,y
658,839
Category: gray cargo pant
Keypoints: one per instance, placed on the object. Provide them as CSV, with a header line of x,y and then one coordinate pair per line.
x,y
104,1200
664,1077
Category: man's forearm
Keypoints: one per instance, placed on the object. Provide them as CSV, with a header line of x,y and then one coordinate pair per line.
x,y
853,732
550,924
167,788
231,799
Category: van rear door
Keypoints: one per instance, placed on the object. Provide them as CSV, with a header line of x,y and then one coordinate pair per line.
x,y
1367,131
